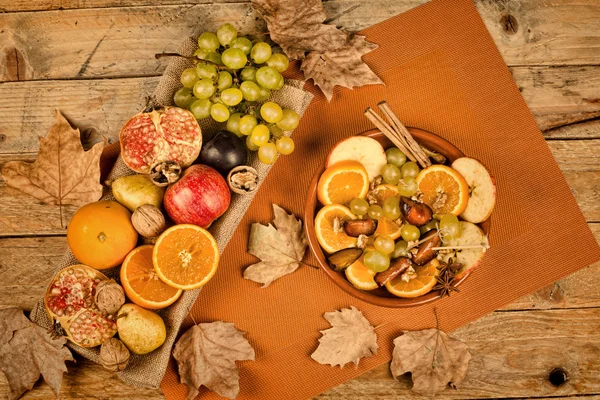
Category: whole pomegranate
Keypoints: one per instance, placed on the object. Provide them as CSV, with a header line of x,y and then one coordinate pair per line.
x,y
70,301
199,197
165,134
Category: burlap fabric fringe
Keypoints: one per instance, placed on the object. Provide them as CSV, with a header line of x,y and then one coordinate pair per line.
x,y
148,370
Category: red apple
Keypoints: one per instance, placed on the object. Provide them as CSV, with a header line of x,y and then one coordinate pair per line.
x,y
199,197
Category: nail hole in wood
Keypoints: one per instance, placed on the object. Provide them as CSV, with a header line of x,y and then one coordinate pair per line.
x,y
558,377
509,24
2,137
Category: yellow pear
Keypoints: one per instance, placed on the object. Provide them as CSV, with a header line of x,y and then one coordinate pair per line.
x,y
141,330
134,191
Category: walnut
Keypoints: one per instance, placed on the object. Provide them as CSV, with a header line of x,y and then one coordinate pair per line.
x,y
164,173
148,221
361,241
114,356
409,274
109,296
243,179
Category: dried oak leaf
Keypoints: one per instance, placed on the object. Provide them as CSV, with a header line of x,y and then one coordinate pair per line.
x,y
297,26
206,355
280,247
28,351
341,67
434,359
63,172
350,338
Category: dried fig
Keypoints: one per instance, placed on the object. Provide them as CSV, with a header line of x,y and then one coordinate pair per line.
x,y
357,227
417,214
425,252
342,259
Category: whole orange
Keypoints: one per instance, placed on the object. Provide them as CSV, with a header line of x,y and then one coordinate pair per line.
x,y
101,235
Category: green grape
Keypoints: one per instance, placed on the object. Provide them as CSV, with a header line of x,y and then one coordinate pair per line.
x,y
390,174
433,224
204,88
226,34
271,112
183,97
268,77
201,108
243,44
280,84
279,62
250,90
407,187
400,249
233,123
375,211
358,206
260,52
385,244
247,124
410,232
206,71
391,208
208,41
250,145
264,94
248,74
377,261
214,58
189,78
276,131
285,145
231,96
201,53
267,154
260,135
289,120
219,112
224,81
450,227
395,156
234,58
410,170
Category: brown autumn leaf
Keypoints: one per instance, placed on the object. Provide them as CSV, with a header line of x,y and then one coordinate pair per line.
x,y
350,338
206,355
63,172
28,351
434,359
341,67
280,247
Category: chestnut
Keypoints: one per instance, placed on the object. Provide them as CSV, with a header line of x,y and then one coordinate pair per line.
x,y
417,214
425,252
357,227
398,267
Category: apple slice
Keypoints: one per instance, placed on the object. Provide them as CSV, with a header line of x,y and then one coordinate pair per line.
x,y
482,197
365,150
471,235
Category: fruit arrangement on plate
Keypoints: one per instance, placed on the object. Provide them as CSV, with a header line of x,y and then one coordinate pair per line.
x,y
404,218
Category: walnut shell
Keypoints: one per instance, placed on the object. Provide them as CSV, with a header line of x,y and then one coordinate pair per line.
x,y
114,356
109,296
243,179
148,221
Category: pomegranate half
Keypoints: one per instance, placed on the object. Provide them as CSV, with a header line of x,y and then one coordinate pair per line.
x,y
165,134
69,300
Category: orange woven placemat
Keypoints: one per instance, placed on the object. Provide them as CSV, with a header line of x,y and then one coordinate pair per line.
x,y
443,74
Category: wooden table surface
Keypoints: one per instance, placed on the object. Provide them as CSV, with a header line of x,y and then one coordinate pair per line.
x,y
93,59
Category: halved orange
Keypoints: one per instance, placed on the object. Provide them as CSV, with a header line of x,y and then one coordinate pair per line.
x,y
388,227
444,189
343,182
185,256
382,192
330,239
422,284
141,283
360,276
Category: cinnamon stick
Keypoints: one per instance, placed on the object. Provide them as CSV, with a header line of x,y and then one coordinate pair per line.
x,y
389,132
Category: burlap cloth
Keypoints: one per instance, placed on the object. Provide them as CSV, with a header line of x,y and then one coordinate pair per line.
x,y
148,370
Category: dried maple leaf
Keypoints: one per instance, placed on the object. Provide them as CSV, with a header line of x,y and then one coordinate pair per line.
x,y
206,355
434,359
280,247
297,26
350,338
63,172
341,67
26,351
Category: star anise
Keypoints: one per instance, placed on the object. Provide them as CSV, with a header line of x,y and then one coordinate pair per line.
x,y
445,280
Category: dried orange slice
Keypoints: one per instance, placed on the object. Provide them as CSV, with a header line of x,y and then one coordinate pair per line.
x,y
382,192
422,283
360,276
330,234
185,256
343,182
444,189
141,283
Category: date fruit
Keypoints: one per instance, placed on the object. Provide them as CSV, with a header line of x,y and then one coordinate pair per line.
x,y
417,214
357,227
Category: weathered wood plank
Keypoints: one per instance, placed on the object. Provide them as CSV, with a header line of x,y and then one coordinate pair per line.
x,y
112,42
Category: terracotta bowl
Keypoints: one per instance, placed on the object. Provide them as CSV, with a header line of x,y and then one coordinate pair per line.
x,y
380,297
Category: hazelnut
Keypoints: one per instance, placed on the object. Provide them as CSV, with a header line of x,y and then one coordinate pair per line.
x,y
148,221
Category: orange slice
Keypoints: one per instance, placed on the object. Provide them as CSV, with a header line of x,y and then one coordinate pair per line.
x,y
141,283
343,182
185,256
387,227
330,239
382,192
424,281
444,189
360,276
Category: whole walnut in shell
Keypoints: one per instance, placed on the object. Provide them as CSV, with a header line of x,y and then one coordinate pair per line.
x,y
114,356
148,221
109,296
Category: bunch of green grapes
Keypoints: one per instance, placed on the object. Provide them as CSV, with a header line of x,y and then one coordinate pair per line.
x,y
232,82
